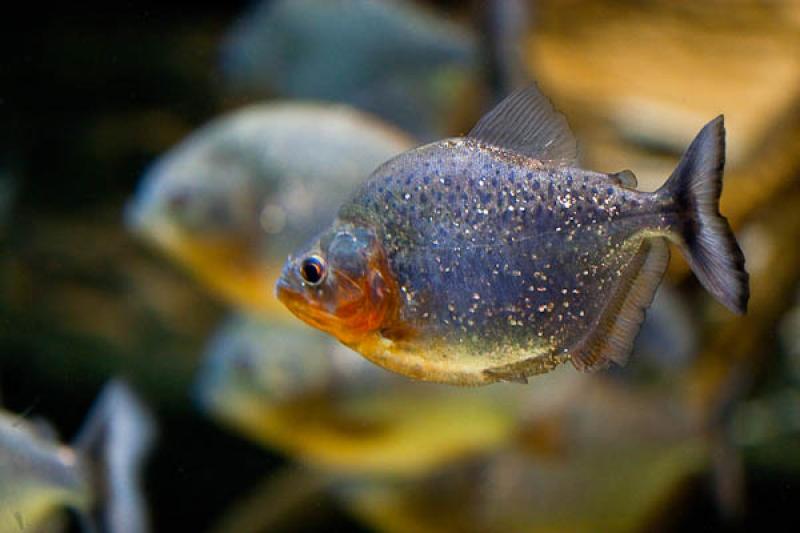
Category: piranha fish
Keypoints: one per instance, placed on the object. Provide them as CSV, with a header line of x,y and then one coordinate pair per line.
x,y
495,257
98,475
235,197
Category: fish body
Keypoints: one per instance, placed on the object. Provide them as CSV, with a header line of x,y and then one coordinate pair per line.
x,y
495,257
499,257
98,475
235,197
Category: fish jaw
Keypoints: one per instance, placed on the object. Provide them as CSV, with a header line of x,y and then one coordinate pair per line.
x,y
296,302
232,271
316,315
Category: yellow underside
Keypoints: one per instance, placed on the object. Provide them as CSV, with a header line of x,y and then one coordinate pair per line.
x,y
32,507
233,272
445,363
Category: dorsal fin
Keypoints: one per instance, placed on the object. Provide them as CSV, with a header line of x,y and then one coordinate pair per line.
x,y
626,178
526,122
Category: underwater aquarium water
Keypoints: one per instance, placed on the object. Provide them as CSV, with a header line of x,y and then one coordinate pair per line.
x,y
159,163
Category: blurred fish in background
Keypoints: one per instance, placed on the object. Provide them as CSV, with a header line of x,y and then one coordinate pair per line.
x,y
378,438
395,58
573,474
99,475
319,402
231,200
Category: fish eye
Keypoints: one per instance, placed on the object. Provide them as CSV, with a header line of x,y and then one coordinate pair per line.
x,y
179,200
313,270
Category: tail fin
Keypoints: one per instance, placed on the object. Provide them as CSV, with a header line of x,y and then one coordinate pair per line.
x,y
114,441
705,235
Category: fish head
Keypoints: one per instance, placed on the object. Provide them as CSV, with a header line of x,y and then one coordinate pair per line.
x,y
199,195
203,208
340,284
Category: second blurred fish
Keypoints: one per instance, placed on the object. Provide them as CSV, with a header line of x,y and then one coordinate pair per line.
x,y
296,390
98,475
390,57
619,453
234,198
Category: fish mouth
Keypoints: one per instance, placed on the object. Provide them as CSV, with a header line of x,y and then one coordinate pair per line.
x,y
134,215
285,291
346,322
149,225
298,304
307,311
142,220
286,295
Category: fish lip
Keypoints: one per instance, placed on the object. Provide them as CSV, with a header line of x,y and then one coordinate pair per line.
x,y
146,223
132,216
144,208
294,300
140,218
290,297
298,305
284,292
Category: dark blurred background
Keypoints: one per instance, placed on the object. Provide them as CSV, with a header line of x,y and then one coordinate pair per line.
x,y
90,96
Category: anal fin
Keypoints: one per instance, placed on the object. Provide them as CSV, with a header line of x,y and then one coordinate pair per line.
x,y
520,371
612,338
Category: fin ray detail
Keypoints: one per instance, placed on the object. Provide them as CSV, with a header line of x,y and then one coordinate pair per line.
x,y
526,122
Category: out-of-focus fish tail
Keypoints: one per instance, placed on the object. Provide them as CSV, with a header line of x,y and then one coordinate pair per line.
x,y
113,442
703,233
